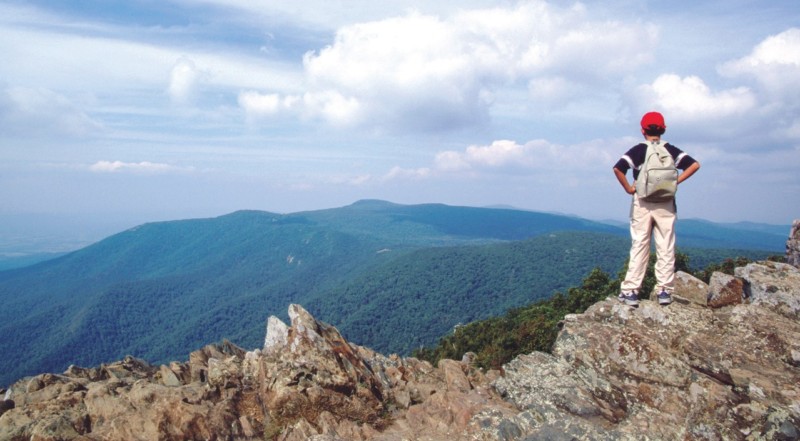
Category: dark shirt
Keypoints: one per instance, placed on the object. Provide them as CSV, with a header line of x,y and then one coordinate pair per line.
x,y
634,158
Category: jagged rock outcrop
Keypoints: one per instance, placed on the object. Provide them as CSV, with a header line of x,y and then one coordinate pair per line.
x,y
680,372
722,362
308,382
793,245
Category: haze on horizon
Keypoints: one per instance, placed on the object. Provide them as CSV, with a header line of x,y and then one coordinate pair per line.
x,y
193,108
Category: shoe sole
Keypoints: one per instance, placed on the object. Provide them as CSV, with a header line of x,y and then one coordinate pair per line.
x,y
631,303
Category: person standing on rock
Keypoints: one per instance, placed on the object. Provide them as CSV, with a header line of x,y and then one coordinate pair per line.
x,y
651,218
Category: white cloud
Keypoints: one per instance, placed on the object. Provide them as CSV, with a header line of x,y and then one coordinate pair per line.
x,y
259,105
506,156
767,102
427,72
39,112
596,49
554,72
781,49
330,106
407,173
774,63
183,81
503,153
451,161
71,56
134,167
690,100
406,71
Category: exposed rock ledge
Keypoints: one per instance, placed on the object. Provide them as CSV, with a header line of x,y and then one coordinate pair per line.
x,y
712,366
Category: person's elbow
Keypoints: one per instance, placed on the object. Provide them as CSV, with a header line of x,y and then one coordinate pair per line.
x,y
692,168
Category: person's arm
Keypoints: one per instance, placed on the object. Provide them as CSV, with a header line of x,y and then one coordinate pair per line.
x,y
623,180
690,170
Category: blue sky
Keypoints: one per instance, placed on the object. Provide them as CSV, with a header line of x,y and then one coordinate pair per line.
x,y
150,110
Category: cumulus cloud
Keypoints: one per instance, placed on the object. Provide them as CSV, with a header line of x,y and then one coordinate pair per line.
x,y
499,153
39,112
538,167
767,101
330,106
506,156
774,63
689,99
183,81
428,72
259,105
134,167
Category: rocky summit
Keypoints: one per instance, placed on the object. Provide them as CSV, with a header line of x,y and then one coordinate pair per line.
x,y
793,245
720,363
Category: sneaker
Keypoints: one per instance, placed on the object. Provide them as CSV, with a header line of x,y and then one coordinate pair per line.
x,y
664,298
630,299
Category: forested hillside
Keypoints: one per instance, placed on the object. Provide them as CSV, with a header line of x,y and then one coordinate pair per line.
x,y
415,299
160,289
534,326
391,277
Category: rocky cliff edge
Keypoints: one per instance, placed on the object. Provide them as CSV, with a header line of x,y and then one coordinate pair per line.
x,y
722,362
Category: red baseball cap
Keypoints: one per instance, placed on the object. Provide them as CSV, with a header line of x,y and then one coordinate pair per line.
x,y
653,119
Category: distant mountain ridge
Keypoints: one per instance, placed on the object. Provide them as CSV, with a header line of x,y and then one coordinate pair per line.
x,y
26,240
702,233
160,289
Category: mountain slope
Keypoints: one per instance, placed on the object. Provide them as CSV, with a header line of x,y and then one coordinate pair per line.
x,y
419,297
156,289
704,234
161,289
439,222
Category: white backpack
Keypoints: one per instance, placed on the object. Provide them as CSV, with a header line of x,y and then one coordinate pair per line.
x,y
658,176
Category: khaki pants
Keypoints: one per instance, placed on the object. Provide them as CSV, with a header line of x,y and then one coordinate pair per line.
x,y
648,219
